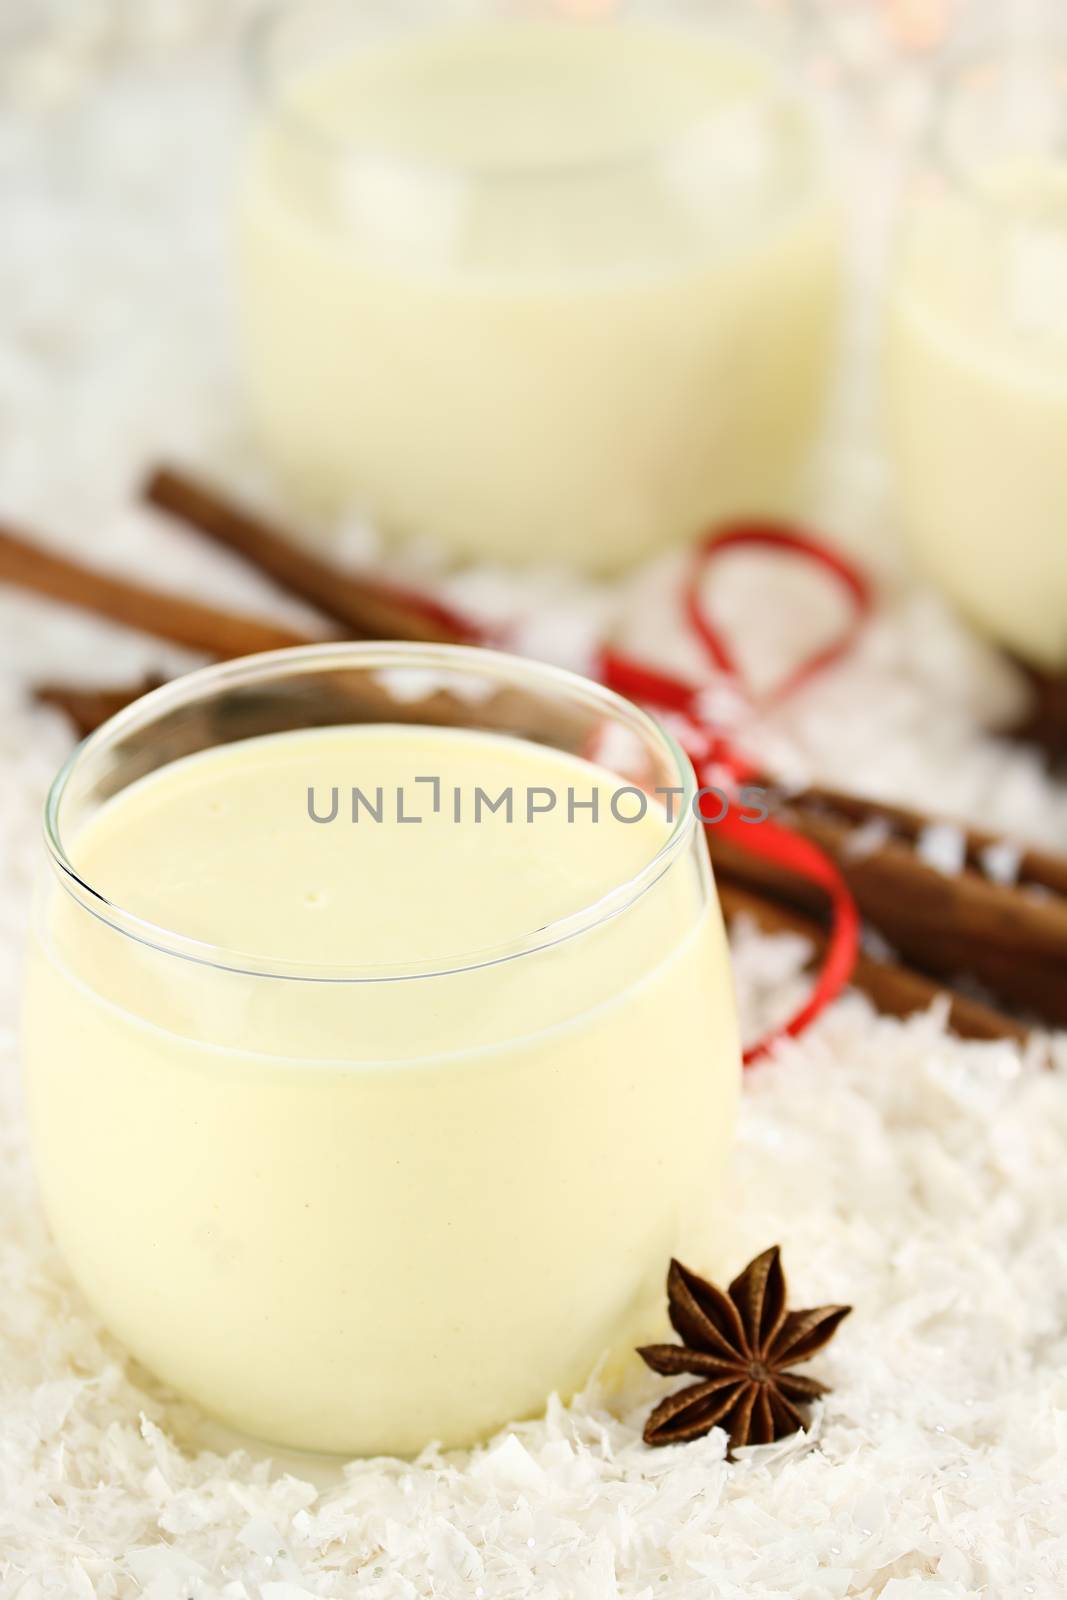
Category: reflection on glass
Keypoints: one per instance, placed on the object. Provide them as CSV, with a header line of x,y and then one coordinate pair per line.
x,y
977,352
540,290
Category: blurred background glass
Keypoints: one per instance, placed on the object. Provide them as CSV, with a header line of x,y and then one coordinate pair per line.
x,y
546,283
976,355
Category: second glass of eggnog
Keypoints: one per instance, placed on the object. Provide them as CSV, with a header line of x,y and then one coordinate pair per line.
x,y
379,1038
551,288
977,350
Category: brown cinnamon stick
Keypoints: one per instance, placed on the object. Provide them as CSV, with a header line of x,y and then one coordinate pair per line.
x,y
894,990
946,923
166,616
367,607
894,880
88,708
1035,866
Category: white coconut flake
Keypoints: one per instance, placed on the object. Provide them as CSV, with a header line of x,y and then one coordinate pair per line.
x,y
875,944
942,846
870,837
1001,861
409,685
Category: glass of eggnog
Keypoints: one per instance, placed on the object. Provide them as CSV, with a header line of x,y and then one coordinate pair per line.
x,y
977,349
556,285
379,1038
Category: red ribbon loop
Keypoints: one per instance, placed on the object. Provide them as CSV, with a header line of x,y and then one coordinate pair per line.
x,y
793,541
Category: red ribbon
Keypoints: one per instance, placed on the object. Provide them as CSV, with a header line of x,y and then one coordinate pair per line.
x,y
776,536
662,691
769,840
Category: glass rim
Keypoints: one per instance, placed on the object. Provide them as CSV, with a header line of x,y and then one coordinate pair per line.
x,y
265,86
372,655
990,49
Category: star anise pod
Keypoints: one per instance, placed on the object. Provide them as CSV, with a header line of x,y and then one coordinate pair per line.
x,y
741,1345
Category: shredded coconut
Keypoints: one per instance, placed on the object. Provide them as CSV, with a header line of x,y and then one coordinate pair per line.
x,y
942,846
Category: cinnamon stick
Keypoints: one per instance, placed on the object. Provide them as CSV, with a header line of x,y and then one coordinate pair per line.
x,y
166,616
946,923
88,708
1035,866
893,881
366,607
893,989
358,698
1045,724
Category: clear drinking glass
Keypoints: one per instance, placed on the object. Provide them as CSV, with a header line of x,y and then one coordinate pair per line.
x,y
976,354
339,1132
541,286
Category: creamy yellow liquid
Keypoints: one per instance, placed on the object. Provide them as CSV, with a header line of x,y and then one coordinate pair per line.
x,y
539,292
977,380
358,1216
